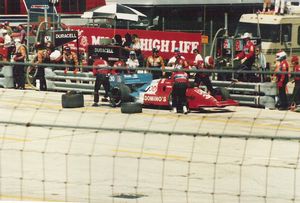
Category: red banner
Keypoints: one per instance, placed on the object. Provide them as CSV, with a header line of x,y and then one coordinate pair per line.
x,y
166,42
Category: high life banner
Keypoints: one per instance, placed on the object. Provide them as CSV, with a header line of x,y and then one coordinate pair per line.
x,y
166,42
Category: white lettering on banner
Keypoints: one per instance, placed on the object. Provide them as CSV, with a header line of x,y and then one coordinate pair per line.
x,y
164,46
70,35
155,98
173,45
103,50
156,43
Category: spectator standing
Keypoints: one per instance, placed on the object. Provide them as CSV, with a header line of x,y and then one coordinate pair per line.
x,y
118,40
296,92
282,80
136,47
180,85
22,34
132,62
156,61
70,58
19,70
279,7
267,6
102,73
128,41
261,63
41,57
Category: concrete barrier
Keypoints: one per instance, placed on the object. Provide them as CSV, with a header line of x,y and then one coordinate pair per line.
x,y
6,77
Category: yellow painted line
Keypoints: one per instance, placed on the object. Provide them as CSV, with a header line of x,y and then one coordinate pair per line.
x,y
147,154
25,198
14,139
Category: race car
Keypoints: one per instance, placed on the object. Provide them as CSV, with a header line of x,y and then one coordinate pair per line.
x,y
159,93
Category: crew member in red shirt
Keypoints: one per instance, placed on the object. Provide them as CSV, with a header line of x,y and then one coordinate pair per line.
x,y
281,80
296,91
247,57
180,85
102,73
204,77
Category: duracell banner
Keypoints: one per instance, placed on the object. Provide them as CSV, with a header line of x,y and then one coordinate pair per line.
x,y
63,37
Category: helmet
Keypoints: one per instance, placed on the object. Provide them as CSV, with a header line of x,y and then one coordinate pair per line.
x,y
176,49
246,35
209,61
155,50
132,53
280,56
295,59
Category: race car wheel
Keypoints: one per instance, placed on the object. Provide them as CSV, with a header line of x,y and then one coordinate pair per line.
x,y
72,100
119,94
131,107
224,93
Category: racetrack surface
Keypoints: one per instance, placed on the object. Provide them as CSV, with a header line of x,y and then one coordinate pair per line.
x,y
98,154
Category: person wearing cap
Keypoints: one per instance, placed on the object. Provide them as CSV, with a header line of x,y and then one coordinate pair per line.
x,y
132,62
247,57
295,101
156,61
19,70
70,58
282,79
102,72
177,56
180,84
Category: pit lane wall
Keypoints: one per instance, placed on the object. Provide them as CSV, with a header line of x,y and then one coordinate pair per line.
x,y
166,42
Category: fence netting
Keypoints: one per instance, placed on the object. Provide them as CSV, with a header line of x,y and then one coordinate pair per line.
x,y
97,154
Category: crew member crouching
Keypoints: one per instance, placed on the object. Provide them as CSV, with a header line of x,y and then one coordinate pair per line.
x,y
180,85
202,77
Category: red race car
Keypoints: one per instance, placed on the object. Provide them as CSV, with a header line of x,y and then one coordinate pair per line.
x,y
158,93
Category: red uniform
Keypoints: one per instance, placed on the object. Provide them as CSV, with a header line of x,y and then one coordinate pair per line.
x,y
297,70
282,80
248,51
180,77
180,85
100,67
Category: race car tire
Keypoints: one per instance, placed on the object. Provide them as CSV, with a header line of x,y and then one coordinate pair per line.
x,y
224,93
72,100
131,107
119,94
